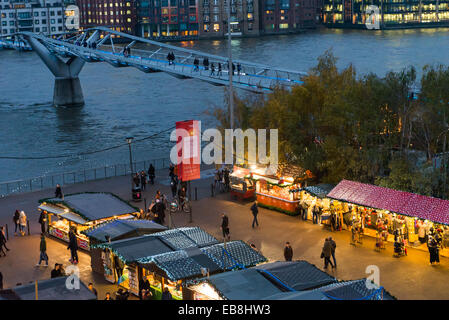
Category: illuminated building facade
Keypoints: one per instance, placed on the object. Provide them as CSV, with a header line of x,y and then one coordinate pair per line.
x,y
391,13
167,18
214,18
285,16
119,15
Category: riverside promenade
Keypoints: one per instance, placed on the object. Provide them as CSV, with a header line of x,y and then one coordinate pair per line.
x,y
409,277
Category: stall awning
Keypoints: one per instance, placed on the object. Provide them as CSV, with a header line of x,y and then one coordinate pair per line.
x,y
121,228
93,206
354,290
400,202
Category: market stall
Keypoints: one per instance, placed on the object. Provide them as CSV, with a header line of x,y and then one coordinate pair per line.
x,y
79,212
241,184
391,214
273,190
314,196
167,259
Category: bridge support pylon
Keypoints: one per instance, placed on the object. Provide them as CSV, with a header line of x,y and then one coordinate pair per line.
x,y
67,90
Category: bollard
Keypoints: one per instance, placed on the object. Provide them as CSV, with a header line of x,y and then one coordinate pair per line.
x,y
28,225
196,194
190,215
7,232
212,189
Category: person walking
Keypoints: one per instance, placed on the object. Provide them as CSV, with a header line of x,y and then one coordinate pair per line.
x,y
334,246
3,238
166,295
151,174
91,288
58,192
255,211
212,69
288,252
326,253
225,227
196,63
2,242
173,187
169,58
43,251
143,180
219,73
43,221
73,246
16,218
22,222
239,68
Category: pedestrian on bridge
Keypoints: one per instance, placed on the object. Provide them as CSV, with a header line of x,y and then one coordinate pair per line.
x,y
212,69
219,70
206,63
58,192
239,68
196,64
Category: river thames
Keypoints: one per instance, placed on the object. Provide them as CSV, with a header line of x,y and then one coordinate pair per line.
x,y
126,102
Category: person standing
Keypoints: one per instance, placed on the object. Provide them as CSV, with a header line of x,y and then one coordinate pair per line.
x,y
166,295
43,252
108,296
73,246
255,212
288,252
58,192
225,227
136,179
219,73
56,272
3,238
1,246
91,288
16,218
43,221
143,180
326,253
22,222
151,173
333,246
173,187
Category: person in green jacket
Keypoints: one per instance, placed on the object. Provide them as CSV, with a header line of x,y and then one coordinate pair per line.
x,y
43,249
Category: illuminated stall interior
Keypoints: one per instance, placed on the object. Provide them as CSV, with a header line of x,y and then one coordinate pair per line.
x,y
79,212
314,196
241,184
273,189
167,259
388,211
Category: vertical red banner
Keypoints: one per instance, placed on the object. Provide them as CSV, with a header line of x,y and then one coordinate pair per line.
x,y
188,147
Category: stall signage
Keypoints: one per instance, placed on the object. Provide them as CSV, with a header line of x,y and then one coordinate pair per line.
x,y
188,148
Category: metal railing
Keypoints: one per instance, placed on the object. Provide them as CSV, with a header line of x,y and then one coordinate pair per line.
x,y
80,176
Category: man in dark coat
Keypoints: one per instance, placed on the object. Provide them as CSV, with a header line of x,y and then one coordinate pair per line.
x,y
73,246
143,180
43,221
166,295
326,253
288,252
58,192
225,226
151,173
334,246
255,212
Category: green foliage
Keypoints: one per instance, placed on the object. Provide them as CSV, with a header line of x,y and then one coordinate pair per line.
x,y
343,126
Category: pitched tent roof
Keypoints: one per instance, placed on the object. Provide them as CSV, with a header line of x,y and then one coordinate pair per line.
x,y
298,295
320,190
94,205
246,284
237,254
53,289
120,228
354,290
298,275
406,203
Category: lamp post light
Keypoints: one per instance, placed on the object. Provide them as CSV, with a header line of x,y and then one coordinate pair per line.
x,y
130,140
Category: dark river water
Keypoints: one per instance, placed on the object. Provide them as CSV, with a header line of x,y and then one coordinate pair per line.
x,y
126,102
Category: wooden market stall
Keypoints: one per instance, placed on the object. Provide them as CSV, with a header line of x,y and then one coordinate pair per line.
x,y
241,184
395,213
274,190
167,259
81,211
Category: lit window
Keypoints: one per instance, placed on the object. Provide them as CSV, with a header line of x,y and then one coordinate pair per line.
x,y
216,27
128,20
128,4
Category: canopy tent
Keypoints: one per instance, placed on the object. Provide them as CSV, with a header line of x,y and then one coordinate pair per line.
x,y
297,275
122,228
354,290
53,289
400,202
320,190
92,206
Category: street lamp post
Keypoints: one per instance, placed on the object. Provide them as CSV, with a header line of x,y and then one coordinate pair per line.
x,y
130,140
230,68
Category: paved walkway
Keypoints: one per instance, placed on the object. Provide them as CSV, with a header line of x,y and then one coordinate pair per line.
x,y
408,277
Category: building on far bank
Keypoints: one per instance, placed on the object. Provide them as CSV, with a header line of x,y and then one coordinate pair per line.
x,y
40,16
213,18
288,16
119,15
167,18
391,14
